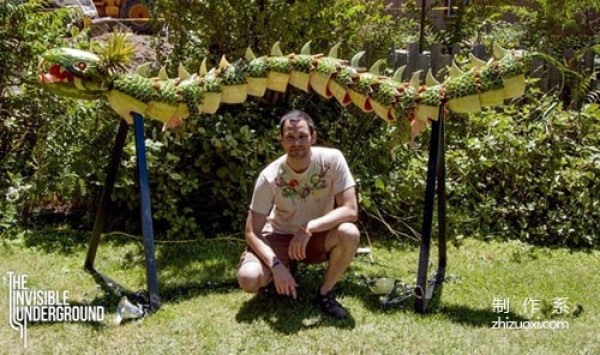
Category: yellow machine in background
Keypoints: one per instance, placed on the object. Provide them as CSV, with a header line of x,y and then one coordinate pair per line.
x,y
133,13
128,9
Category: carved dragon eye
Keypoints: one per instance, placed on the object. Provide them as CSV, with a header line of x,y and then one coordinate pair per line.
x,y
81,65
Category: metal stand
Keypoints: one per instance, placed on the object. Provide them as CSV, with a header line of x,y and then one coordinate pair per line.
x,y
145,210
436,170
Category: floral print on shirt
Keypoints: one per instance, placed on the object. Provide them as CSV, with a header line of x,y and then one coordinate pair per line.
x,y
292,188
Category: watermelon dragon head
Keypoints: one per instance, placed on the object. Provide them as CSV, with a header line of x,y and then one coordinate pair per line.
x,y
72,73
410,105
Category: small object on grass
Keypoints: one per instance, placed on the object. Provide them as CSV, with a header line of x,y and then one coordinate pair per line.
x,y
127,310
382,286
577,310
363,251
391,292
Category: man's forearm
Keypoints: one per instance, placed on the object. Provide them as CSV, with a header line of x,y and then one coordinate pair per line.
x,y
261,248
255,240
332,219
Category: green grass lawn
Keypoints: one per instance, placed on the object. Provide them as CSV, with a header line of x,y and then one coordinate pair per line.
x,y
204,312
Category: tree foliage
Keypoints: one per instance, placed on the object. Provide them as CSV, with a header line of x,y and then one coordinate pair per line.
x,y
25,110
213,28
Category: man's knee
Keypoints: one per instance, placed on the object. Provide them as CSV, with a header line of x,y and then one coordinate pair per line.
x,y
348,235
250,276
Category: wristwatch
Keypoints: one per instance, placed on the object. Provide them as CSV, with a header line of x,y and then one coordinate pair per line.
x,y
275,263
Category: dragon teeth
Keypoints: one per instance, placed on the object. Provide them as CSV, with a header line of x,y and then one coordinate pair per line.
x,y
78,84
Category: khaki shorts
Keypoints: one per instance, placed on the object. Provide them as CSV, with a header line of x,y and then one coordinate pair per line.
x,y
315,249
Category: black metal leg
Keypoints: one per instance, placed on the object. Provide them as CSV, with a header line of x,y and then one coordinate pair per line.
x,y
102,212
421,294
146,212
441,195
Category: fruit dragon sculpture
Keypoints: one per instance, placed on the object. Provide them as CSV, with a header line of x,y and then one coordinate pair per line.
x,y
85,75
409,105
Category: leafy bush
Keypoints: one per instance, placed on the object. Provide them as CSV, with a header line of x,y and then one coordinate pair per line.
x,y
550,25
202,174
213,28
25,110
527,172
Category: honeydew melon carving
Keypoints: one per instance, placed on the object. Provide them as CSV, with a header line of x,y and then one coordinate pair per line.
x,y
89,76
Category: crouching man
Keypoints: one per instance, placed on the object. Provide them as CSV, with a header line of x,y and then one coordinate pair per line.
x,y
303,209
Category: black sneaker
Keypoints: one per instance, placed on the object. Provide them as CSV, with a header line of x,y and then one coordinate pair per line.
x,y
329,305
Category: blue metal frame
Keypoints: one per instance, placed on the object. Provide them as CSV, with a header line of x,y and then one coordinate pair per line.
x,y
145,211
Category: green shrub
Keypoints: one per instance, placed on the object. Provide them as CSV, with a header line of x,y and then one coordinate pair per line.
x,y
202,174
26,30
527,172
213,28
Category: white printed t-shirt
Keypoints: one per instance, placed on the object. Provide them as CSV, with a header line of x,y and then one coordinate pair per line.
x,y
290,199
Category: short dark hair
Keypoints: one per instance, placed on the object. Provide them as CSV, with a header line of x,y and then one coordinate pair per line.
x,y
297,115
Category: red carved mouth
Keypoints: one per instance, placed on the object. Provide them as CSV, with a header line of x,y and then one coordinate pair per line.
x,y
56,74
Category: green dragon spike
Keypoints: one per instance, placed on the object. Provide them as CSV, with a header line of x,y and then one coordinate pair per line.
x,y
398,73
356,59
333,52
414,80
454,71
162,74
249,55
182,73
275,50
430,80
143,70
223,63
477,63
305,48
497,51
203,68
375,68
